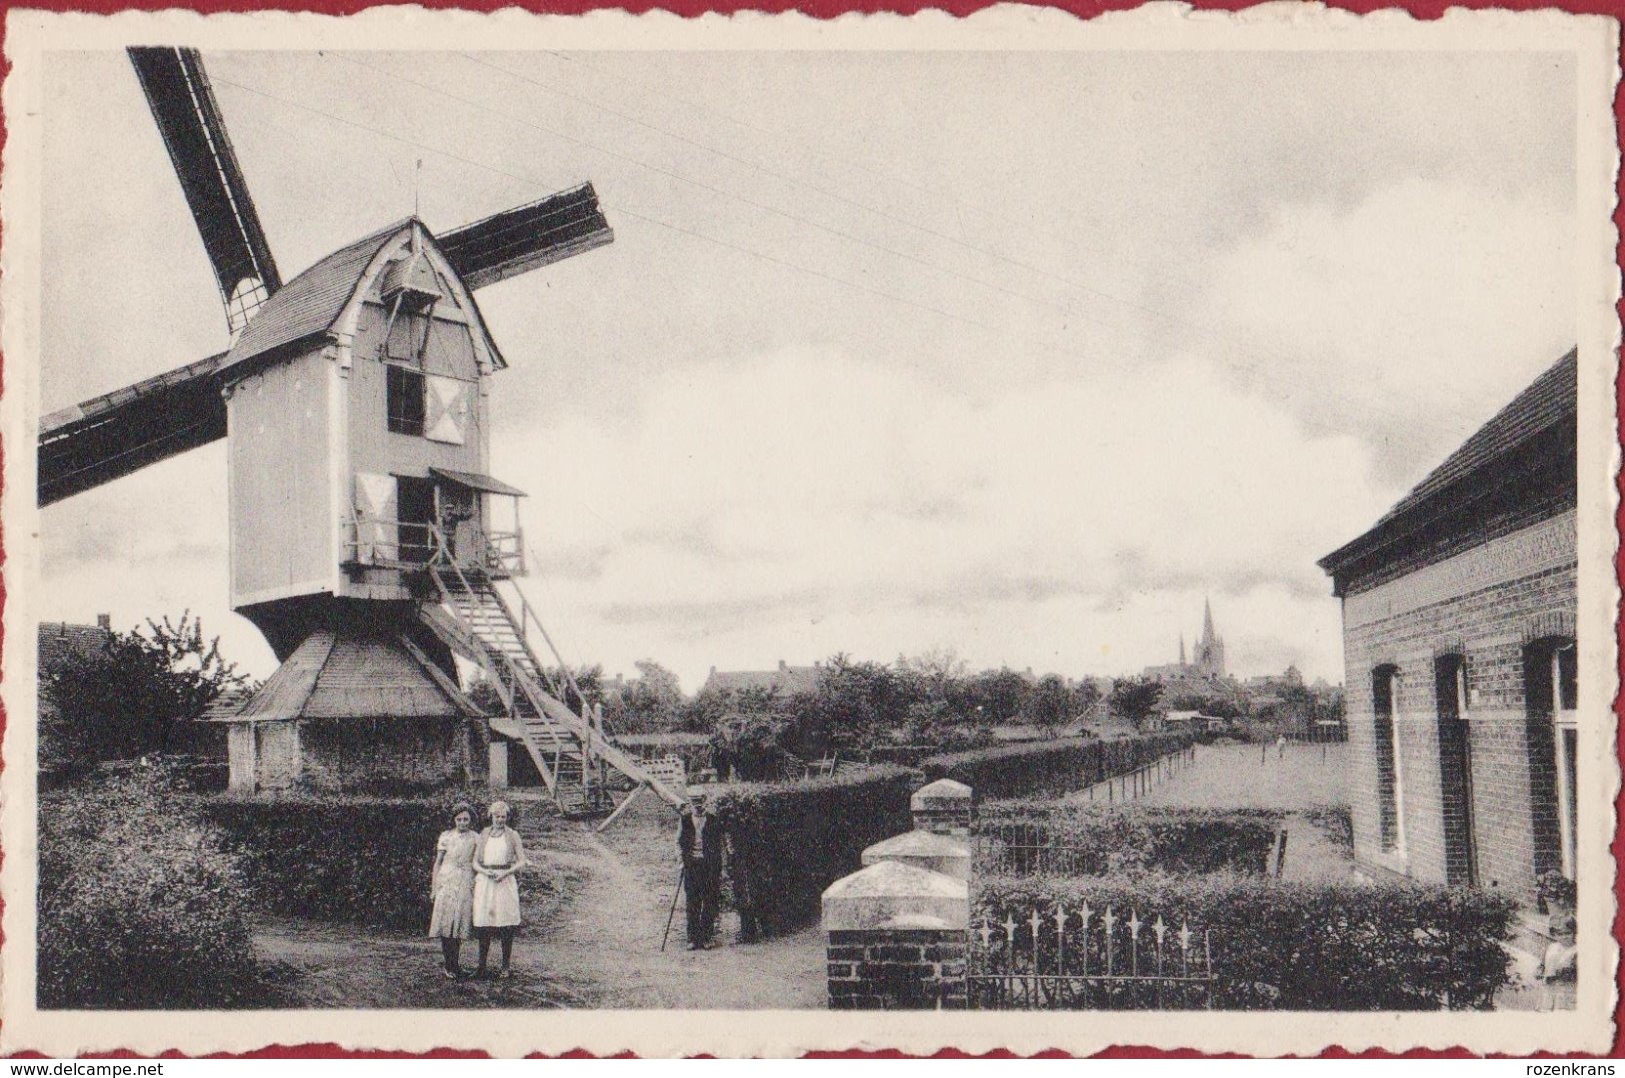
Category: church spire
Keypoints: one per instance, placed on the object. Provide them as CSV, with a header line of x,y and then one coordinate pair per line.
x,y
1207,622
1181,649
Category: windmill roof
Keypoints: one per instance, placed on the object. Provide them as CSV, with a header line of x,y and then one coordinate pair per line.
x,y
331,676
310,304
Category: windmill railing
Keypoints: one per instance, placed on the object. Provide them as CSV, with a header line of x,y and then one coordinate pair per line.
x,y
1087,959
387,543
505,552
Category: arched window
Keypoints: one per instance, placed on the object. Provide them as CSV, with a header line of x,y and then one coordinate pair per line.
x,y
1387,703
1551,690
1455,770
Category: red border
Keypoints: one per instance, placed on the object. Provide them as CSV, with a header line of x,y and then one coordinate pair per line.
x,y
824,9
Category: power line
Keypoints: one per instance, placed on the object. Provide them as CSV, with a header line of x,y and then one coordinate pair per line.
x,y
618,208
706,237
713,189
826,192
1235,345
847,162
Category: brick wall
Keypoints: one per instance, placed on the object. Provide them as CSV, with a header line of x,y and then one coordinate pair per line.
x,y
896,969
1513,803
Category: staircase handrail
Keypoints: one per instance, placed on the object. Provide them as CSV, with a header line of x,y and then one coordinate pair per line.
x,y
550,706
496,660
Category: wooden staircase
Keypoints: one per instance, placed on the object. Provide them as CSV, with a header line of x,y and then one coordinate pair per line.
x,y
575,759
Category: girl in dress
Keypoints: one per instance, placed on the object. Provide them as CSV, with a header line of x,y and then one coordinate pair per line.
x,y
451,885
498,855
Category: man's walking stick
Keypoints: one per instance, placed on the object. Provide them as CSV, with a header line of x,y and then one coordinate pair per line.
x,y
681,872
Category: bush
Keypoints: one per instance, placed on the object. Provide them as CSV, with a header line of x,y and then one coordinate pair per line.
x,y
1049,767
141,904
1311,947
787,842
1069,839
359,860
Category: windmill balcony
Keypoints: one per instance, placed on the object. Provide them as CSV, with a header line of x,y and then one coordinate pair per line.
x,y
412,546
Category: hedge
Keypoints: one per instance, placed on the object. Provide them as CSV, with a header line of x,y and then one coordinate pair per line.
x,y
1069,839
359,860
1050,767
141,904
787,842
1311,947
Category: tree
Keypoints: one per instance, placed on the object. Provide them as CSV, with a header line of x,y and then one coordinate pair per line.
x,y
1051,704
998,695
589,680
1219,705
125,700
651,702
849,706
1135,698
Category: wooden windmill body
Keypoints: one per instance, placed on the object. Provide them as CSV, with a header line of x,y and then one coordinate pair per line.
x,y
368,537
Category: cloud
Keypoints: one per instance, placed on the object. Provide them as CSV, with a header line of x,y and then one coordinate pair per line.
x,y
770,506
1406,320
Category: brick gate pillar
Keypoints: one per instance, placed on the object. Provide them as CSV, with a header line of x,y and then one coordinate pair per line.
x,y
896,937
944,807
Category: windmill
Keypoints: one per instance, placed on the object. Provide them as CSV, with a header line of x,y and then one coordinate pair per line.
x,y
366,539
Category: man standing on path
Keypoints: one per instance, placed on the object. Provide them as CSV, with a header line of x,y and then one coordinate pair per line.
x,y
699,839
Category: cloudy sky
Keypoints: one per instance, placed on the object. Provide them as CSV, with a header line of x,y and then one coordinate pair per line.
x,y
1019,355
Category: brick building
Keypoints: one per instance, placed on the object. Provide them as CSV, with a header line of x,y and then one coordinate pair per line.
x,y
1458,633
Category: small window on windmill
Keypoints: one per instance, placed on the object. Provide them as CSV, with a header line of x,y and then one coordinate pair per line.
x,y
405,399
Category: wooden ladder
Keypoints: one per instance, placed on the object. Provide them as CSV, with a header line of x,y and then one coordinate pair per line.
x,y
573,758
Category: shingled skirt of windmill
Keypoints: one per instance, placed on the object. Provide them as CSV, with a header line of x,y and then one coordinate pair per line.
x,y
364,522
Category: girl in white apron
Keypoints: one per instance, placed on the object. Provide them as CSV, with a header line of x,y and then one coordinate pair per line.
x,y
497,857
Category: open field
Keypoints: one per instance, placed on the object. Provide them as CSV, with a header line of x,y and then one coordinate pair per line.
x,y
1304,781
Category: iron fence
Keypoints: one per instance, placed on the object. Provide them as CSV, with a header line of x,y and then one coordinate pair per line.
x,y
1088,959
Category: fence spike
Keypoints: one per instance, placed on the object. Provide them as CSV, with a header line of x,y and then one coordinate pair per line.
x,y
986,933
1010,927
1134,925
1060,918
1185,936
1160,929
1109,919
1085,913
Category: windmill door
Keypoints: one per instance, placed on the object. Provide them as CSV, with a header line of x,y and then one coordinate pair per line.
x,y
415,499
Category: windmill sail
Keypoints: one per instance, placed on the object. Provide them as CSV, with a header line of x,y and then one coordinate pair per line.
x,y
527,237
188,117
126,430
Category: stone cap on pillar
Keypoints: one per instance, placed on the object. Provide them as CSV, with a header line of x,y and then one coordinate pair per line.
x,y
923,849
943,795
894,895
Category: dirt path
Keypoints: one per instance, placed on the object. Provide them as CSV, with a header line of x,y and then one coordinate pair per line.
x,y
605,942
594,908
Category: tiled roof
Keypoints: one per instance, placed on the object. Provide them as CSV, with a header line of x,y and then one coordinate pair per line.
x,y
1551,399
1549,402
788,680
61,643
309,304
347,677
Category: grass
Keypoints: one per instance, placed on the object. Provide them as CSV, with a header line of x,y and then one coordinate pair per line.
x,y
1309,782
